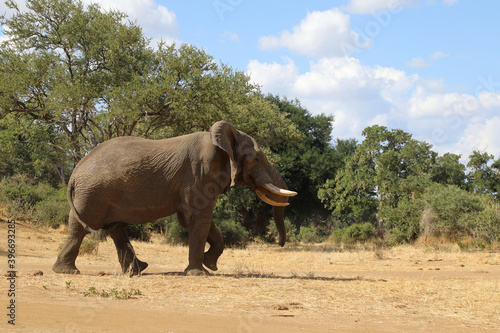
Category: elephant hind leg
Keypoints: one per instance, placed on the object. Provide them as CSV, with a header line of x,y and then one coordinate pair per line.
x,y
216,248
65,262
126,254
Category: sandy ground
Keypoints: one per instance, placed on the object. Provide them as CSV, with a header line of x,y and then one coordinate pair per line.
x,y
259,289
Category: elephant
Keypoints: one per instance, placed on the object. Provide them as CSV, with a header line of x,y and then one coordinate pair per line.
x,y
132,180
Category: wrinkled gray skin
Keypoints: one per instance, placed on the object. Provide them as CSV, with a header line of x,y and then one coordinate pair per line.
x,y
129,180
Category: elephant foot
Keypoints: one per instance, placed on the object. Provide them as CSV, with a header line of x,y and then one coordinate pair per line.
x,y
65,268
196,272
210,263
136,267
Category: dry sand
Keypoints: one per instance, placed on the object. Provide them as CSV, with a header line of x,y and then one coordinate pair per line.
x,y
259,289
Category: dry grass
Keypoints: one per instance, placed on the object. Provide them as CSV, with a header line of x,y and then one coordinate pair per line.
x,y
402,288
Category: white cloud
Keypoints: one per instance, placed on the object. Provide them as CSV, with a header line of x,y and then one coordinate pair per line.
x,y
156,20
438,54
229,36
482,136
373,6
417,62
359,96
394,6
325,33
275,78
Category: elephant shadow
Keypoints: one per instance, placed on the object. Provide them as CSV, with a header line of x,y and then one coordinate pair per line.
x,y
252,275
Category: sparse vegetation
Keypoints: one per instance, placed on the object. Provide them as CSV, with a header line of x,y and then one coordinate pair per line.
x,y
90,245
113,293
354,233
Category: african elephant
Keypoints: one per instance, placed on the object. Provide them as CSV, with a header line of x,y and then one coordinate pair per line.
x,y
130,180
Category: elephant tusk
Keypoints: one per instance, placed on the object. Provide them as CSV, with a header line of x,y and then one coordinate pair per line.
x,y
279,191
269,201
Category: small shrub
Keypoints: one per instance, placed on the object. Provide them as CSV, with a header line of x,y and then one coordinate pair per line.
x,y
140,232
404,221
470,243
113,293
37,202
308,235
234,234
175,234
483,225
354,233
90,245
54,210
451,204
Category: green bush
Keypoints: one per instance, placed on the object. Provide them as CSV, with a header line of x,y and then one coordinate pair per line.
x,y
234,234
354,233
37,202
457,211
141,232
175,234
90,245
53,210
308,235
404,221
273,235
483,225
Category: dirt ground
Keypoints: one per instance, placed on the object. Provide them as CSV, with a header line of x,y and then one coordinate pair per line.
x,y
259,289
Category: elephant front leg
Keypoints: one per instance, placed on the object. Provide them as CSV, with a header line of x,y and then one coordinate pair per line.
x,y
126,254
198,234
216,248
65,262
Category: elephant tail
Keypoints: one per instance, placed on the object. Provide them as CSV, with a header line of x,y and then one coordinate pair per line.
x,y
71,190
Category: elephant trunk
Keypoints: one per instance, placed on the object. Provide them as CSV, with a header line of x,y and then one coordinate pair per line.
x,y
272,195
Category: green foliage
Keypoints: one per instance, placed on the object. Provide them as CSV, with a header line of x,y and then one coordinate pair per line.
x,y
54,210
308,235
384,168
404,221
175,234
234,234
90,245
140,232
451,206
306,164
37,202
354,233
30,147
484,176
92,75
483,225
113,293
273,234
449,171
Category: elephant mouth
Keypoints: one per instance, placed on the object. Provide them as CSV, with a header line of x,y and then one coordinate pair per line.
x,y
268,193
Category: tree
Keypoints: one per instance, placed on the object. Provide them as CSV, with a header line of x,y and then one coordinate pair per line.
x,y
24,149
91,75
61,62
485,173
386,167
307,164
449,171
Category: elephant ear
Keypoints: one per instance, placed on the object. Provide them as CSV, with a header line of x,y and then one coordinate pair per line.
x,y
223,135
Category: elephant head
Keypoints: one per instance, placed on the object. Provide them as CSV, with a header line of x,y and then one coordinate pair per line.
x,y
250,167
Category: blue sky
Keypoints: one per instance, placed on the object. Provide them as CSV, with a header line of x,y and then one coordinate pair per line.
x,y
429,67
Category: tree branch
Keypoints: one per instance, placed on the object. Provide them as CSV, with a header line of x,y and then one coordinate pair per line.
x,y
44,143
